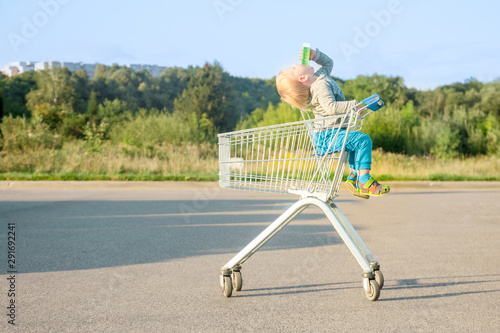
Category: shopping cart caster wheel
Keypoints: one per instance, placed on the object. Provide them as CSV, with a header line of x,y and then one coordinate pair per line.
x,y
227,286
373,292
379,277
237,281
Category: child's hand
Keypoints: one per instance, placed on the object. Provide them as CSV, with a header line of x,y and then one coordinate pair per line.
x,y
360,109
311,55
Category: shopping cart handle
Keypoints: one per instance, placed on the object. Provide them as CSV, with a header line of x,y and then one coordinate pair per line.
x,y
373,102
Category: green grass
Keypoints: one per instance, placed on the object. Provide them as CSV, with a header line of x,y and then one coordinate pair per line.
x,y
113,177
26,176
190,162
437,177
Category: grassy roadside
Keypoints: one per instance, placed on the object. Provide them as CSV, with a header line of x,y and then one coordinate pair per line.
x,y
199,163
179,177
112,177
397,167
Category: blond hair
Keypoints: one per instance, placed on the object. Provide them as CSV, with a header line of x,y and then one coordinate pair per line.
x,y
292,91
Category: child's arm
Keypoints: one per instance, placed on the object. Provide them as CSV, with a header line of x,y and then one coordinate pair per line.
x,y
324,62
323,96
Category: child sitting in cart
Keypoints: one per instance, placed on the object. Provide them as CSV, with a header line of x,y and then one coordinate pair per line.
x,y
301,87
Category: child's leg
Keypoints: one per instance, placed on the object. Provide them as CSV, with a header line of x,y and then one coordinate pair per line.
x,y
351,157
352,179
358,146
361,145
353,173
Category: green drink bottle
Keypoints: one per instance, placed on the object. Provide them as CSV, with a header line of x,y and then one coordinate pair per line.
x,y
306,53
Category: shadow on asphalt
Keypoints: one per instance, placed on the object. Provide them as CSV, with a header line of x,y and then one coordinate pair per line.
x,y
450,282
301,289
75,235
438,193
399,285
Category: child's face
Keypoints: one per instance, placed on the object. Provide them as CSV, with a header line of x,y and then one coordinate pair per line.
x,y
299,70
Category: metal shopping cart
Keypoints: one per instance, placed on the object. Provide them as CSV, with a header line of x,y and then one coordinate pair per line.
x,y
294,158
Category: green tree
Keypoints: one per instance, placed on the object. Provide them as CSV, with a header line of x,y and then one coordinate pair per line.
x,y
92,108
112,110
209,96
490,98
447,142
53,98
79,80
391,89
279,114
14,91
491,131
253,93
430,103
172,83
1,95
115,82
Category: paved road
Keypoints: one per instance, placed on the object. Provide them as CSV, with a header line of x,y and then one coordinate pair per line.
x,y
145,257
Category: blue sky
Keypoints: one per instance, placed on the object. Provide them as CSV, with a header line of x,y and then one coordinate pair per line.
x,y
428,43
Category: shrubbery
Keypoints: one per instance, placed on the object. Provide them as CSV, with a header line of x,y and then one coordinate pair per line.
x,y
21,135
451,121
188,107
464,132
151,128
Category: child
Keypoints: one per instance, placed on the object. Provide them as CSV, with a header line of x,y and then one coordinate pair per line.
x,y
301,87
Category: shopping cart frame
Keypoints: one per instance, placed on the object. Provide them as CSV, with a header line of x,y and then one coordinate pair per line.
x,y
319,189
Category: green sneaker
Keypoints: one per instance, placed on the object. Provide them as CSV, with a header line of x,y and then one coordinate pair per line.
x,y
372,187
351,181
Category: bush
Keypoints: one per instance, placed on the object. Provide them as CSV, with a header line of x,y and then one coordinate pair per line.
x,y
388,129
491,130
275,114
73,126
94,136
151,129
21,135
447,142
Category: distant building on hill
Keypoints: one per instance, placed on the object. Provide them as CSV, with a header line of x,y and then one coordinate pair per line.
x,y
154,70
40,66
18,67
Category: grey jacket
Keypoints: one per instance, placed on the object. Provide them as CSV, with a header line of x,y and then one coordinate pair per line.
x,y
327,99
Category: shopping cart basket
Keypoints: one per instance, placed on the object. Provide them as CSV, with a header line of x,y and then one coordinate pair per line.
x,y
295,158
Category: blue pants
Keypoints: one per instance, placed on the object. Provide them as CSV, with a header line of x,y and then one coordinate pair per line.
x,y
358,147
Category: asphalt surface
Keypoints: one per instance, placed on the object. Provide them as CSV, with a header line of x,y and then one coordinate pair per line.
x,y
145,257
